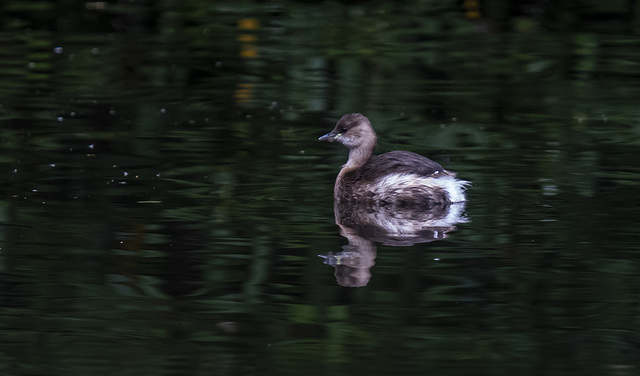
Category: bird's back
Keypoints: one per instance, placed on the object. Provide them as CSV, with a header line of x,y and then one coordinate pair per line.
x,y
401,178
398,162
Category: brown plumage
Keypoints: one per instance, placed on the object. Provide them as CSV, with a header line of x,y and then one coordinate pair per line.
x,y
400,178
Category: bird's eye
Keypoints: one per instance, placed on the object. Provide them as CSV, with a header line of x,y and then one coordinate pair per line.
x,y
343,129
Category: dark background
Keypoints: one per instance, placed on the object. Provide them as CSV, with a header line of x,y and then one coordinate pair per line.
x,y
164,198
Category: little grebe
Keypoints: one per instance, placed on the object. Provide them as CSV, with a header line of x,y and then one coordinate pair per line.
x,y
400,178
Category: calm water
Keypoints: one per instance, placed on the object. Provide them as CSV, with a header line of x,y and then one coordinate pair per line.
x,y
165,201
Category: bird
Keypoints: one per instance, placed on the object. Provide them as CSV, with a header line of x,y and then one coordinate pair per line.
x,y
402,179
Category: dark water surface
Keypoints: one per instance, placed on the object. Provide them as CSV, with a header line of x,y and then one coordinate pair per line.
x,y
164,198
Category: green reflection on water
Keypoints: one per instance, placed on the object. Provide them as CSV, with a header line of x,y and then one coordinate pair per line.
x,y
165,199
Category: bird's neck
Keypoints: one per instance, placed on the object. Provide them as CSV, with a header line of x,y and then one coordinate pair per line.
x,y
358,157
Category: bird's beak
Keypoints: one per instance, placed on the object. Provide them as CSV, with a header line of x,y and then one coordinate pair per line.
x,y
331,136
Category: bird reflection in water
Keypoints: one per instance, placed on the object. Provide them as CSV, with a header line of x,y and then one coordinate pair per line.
x,y
397,198
365,225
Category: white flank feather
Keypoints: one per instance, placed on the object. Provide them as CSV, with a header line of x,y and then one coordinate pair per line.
x,y
454,187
